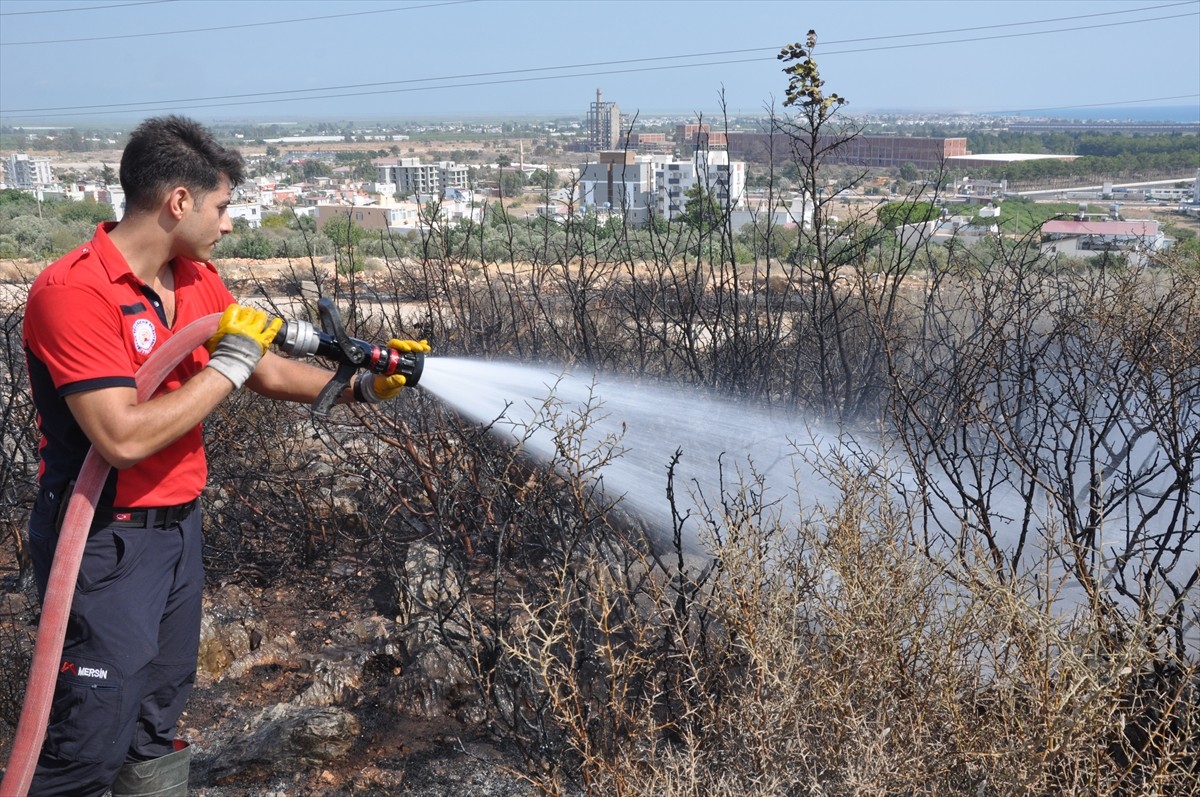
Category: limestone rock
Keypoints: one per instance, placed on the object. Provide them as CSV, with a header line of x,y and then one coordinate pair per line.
x,y
283,738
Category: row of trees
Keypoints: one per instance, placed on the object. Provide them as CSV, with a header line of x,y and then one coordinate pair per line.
x,y
1102,156
35,229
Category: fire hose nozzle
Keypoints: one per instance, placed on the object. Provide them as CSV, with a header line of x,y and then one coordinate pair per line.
x,y
302,339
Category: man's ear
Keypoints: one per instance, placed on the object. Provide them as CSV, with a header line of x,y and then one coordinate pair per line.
x,y
179,201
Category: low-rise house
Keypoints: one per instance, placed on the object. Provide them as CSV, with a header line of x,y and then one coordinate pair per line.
x,y
1137,239
399,217
791,213
454,205
250,211
944,230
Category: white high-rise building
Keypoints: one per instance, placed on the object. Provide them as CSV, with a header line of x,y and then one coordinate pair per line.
x,y
723,178
25,171
410,176
637,185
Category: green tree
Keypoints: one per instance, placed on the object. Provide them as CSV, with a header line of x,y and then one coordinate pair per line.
x,y
343,232
315,168
256,246
894,214
498,216
512,183
14,202
89,210
702,211
546,179
31,235
347,238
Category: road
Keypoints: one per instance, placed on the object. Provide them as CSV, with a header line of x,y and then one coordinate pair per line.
x,y
1145,184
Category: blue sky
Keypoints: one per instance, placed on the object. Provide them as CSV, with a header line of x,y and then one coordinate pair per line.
x,y
480,58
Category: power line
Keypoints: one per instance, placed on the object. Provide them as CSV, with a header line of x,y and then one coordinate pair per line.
x,y
230,100
82,8
234,27
1014,24
1072,29
465,76
620,62
389,10
517,80
405,90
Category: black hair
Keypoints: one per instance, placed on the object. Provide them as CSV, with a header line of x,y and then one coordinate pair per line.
x,y
166,151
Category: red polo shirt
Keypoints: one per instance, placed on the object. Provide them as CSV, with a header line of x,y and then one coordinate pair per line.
x,y
89,324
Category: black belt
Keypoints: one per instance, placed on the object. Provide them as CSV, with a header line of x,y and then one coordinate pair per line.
x,y
144,517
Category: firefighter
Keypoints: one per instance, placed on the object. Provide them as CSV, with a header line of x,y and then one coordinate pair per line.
x,y
92,318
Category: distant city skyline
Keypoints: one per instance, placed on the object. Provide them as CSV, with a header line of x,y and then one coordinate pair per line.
x,y
104,61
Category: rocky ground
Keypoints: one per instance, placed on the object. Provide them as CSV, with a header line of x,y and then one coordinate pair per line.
x,y
313,691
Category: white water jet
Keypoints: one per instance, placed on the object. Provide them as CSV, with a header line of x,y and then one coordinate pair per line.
x,y
724,444
643,424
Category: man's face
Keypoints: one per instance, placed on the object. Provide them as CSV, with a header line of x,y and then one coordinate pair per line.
x,y
205,221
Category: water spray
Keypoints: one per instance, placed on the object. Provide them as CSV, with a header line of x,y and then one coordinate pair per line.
x,y
302,339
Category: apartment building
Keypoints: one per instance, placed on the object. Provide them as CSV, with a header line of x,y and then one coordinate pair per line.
x,y
27,171
410,176
639,185
620,181
725,179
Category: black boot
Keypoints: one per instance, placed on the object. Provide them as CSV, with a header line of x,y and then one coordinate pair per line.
x,y
166,776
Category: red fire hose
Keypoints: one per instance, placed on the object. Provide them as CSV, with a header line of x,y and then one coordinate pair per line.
x,y
43,671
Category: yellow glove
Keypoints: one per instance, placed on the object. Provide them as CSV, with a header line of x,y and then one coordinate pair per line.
x,y
418,346
247,321
241,339
381,388
374,389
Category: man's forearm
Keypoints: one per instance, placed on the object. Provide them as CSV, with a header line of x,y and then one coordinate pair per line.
x,y
291,380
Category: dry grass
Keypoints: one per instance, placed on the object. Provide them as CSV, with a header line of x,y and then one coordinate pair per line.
x,y
836,659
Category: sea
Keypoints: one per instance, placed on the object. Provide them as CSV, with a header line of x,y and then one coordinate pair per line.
x,y
1179,114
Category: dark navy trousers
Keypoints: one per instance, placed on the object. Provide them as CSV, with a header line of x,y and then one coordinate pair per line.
x,y
129,658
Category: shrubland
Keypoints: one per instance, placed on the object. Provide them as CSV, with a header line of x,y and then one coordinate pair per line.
x,y
1003,601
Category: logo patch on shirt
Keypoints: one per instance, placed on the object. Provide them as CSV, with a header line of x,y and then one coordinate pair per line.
x,y
144,336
